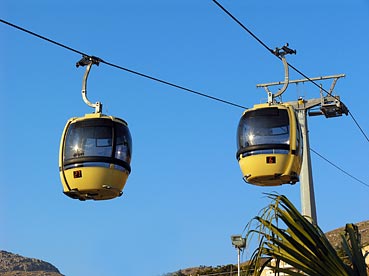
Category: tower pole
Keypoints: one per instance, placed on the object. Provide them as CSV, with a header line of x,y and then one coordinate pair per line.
x,y
308,206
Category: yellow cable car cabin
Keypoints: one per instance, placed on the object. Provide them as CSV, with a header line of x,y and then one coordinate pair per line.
x,y
269,145
94,158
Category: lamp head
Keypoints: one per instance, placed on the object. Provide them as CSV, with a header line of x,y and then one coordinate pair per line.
x,y
238,241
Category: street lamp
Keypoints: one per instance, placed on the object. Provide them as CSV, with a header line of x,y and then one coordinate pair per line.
x,y
239,243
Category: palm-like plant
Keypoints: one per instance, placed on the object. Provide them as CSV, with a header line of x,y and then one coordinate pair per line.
x,y
291,244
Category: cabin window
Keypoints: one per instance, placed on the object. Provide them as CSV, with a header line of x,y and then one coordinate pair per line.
x,y
265,127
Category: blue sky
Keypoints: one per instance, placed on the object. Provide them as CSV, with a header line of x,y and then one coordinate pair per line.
x,y
185,195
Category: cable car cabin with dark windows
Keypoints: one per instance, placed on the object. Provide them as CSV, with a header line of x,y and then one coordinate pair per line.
x,y
95,156
269,145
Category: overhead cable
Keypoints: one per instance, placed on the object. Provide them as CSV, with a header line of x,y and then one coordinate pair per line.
x,y
123,68
337,167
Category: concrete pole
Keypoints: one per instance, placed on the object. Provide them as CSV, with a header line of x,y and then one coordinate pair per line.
x,y
306,178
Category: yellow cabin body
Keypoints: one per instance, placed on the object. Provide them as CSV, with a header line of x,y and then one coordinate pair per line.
x,y
94,158
269,145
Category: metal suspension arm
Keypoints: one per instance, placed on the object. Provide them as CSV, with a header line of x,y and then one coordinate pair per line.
x,y
281,54
89,61
286,78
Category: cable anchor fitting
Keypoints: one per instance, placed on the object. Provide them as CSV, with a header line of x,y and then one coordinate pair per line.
x,y
86,60
285,50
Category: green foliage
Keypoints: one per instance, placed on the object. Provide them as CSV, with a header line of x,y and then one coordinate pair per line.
x,y
291,244
351,243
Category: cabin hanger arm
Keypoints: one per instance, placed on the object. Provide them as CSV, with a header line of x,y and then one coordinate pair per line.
x,y
89,61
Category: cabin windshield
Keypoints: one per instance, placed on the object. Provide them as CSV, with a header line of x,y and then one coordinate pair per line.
x,y
98,138
265,126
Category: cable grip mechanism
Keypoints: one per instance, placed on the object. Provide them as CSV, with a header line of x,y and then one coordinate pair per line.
x,y
89,61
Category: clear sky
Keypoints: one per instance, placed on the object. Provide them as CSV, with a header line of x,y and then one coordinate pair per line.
x,y
185,196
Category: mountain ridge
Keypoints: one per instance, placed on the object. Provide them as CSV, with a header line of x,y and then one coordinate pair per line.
x,y
14,264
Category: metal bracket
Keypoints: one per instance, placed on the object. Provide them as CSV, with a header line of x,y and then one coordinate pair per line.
x,y
330,106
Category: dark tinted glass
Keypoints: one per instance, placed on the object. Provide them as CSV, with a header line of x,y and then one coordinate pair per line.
x,y
123,150
263,126
89,138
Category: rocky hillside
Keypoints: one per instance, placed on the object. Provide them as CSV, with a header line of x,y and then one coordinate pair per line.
x,y
13,264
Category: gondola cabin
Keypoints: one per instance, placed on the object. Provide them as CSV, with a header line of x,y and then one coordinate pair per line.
x,y
94,158
269,145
